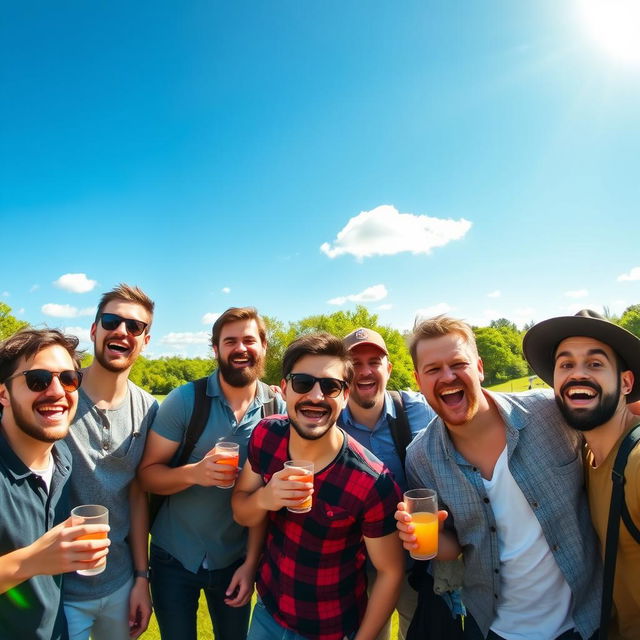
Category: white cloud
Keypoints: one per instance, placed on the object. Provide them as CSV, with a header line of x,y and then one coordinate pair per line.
x,y
65,310
188,337
225,290
75,283
430,312
210,318
34,287
577,293
21,311
494,294
370,294
634,274
385,307
6,294
386,231
82,333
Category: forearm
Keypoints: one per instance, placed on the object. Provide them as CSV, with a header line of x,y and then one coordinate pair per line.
x,y
448,546
139,529
382,601
14,569
248,509
165,480
255,543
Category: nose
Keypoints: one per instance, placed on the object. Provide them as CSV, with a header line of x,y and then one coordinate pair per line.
x,y
315,393
55,389
447,374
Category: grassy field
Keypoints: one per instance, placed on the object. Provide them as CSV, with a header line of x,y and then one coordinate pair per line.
x,y
520,384
204,625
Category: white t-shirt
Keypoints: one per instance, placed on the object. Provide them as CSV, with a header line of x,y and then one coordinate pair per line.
x,y
535,599
45,474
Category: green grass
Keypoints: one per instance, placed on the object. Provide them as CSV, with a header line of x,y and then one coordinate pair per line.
x,y
204,624
519,384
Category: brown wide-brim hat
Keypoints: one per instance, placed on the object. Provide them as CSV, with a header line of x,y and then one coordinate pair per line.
x,y
541,341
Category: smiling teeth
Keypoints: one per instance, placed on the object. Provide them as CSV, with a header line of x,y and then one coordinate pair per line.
x,y
448,392
583,391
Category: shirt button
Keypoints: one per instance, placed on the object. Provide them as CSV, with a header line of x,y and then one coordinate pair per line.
x,y
555,547
105,446
492,529
534,505
496,571
495,595
486,500
475,469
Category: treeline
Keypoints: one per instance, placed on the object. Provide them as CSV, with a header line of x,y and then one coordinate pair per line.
x,y
499,345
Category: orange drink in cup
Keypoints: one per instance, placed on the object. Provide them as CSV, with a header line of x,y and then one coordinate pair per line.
x,y
231,457
422,504
91,514
304,473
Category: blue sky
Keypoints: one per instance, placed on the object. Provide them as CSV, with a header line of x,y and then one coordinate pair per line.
x,y
475,158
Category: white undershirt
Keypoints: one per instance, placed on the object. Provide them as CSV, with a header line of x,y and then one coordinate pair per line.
x,y
535,599
46,474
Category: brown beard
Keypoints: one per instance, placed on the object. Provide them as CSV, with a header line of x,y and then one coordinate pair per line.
x,y
241,377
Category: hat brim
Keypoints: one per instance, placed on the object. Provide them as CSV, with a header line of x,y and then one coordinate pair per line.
x,y
540,343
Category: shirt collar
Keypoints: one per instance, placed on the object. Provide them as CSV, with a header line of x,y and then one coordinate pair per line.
x,y
16,468
388,411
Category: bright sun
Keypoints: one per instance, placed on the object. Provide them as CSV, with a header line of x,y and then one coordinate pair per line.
x,y
615,26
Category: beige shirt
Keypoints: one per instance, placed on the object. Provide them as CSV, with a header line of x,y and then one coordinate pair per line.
x,y
626,588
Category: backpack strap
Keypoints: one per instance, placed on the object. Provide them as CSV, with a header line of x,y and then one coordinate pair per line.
x,y
199,417
399,427
271,407
613,526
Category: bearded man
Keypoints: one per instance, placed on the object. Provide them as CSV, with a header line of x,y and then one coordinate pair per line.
x,y
196,545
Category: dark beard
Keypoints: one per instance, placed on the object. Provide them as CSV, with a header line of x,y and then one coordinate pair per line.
x,y
241,377
27,427
588,419
307,436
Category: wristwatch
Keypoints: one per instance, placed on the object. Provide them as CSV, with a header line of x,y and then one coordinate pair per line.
x,y
137,573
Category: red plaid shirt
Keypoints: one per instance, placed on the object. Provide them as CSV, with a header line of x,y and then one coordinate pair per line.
x,y
312,576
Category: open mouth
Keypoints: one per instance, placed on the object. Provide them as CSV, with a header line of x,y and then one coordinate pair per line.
x,y
580,394
117,347
313,412
366,385
452,396
241,361
51,412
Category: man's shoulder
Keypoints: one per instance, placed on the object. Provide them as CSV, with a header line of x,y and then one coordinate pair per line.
x,y
142,395
366,461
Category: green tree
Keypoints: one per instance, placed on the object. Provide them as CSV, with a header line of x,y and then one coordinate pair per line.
x,y
9,324
339,324
630,319
498,352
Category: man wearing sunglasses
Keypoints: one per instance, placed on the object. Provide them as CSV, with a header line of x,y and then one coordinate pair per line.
x,y
107,441
384,424
38,398
195,544
312,578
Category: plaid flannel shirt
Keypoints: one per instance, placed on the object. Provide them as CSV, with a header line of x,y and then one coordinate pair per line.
x,y
312,577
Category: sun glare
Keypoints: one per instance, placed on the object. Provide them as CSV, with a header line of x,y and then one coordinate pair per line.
x,y
615,26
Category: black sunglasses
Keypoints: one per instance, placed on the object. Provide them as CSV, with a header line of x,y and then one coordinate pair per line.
x,y
303,383
111,321
40,379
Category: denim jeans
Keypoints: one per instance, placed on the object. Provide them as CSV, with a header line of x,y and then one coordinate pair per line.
x,y
103,618
176,591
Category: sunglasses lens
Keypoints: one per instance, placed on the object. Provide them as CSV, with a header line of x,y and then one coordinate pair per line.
x,y
302,383
111,321
38,379
330,387
70,379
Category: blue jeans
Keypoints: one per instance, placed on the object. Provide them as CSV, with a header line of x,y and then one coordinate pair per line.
x,y
264,626
176,591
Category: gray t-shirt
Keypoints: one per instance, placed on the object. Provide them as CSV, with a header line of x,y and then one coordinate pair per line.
x,y
107,446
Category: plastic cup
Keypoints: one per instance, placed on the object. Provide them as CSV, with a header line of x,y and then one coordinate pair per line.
x,y
422,504
305,469
91,514
231,453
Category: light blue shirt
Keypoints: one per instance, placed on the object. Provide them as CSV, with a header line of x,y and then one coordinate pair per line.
x,y
379,440
197,522
544,459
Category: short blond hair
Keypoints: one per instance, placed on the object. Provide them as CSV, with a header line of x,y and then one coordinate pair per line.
x,y
437,327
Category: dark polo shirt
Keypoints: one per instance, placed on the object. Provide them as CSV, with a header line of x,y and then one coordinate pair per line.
x,y
32,609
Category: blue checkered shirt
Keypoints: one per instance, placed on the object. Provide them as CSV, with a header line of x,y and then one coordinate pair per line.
x,y
545,461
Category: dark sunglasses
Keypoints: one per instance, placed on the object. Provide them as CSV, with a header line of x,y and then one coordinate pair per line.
x,y
40,379
111,321
303,383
